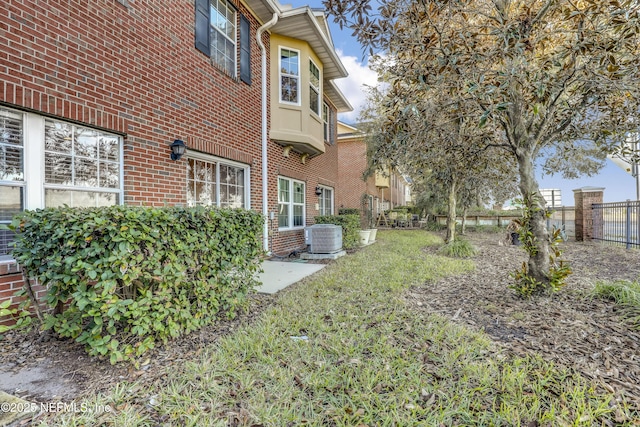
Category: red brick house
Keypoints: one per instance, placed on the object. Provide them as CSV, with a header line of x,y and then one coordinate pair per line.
x,y
93,95
379,192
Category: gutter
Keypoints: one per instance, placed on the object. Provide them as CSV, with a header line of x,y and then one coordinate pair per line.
x,y
265,164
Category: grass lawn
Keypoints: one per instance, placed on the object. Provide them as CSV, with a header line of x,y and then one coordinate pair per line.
x,y
342,349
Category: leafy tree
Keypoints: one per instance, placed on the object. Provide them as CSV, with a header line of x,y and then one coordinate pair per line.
x,y
426,134
558,79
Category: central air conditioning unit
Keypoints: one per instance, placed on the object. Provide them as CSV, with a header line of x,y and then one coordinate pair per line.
x,y
323,238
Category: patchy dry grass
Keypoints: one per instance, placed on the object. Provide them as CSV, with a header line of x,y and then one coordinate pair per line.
x,y
342,349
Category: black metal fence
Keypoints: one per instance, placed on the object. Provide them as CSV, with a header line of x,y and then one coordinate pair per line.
x,y
617,223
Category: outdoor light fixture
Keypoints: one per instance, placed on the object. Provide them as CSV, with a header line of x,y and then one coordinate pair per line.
x,y
178,148
318,191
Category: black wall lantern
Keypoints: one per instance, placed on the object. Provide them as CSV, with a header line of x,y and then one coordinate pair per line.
x,y
178,148
318,191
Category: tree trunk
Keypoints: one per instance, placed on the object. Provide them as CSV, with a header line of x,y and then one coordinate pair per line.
x,y
538,265
451,214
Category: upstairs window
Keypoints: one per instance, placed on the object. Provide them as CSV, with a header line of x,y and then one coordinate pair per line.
x,y
325,121
216,35
314,88
222,19
329,123
290,76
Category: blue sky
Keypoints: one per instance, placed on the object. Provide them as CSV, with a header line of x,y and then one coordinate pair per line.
x,y
619,185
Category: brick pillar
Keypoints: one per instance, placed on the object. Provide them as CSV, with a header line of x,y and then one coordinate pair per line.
x,y
584,198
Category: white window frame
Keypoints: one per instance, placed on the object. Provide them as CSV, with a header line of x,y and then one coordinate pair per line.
x,y
291,203
321,198
312,88
33,183
216,55
221,161
326,115
281,74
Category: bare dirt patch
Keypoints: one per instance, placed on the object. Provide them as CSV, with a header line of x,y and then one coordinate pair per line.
x,y
569,328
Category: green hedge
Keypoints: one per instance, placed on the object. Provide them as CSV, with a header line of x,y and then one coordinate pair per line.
x,y
349,211
129,277
350,226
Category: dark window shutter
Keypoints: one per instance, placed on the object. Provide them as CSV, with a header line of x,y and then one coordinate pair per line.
x,y
202,27
245,50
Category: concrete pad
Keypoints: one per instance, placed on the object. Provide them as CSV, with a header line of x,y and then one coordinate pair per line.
x,y
278,274
335,255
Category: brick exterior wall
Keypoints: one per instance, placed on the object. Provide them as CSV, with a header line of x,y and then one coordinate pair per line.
x,y
133,70
352,161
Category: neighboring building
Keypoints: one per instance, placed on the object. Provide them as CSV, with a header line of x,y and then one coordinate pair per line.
x,y
378,193
93,93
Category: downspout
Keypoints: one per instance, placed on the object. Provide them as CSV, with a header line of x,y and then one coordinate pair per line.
x,y
265,176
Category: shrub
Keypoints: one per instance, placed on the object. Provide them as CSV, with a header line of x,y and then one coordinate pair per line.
x,y
459,248
130,276
349,211
350,226
434,226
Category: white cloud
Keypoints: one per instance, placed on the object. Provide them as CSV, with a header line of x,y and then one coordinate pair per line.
x,y
353,87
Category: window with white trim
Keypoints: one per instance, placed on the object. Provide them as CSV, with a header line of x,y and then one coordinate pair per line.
x,y
325,200
291,203
314,88
217,182
81,166
59,163
12,180
325,120
219,36
222,19
289,76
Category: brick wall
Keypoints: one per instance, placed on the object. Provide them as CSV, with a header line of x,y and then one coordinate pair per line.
x,y
352,161
11,281
133,70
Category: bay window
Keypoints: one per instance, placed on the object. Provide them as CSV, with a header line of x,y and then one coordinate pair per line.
x,y
314,88
289,76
